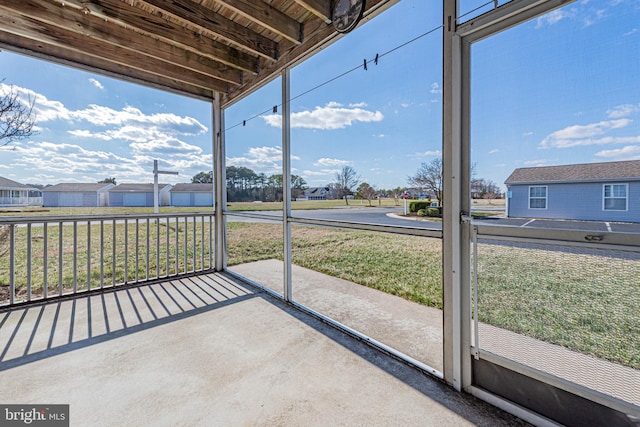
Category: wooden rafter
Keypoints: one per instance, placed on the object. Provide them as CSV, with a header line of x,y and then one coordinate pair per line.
x,y
194,47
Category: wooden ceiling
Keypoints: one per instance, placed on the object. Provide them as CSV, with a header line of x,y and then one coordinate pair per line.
x,y
193,47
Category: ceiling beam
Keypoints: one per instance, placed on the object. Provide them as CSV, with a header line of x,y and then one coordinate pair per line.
x,y
77,21
207,20
266,16
134,18
64,39
320,8
30,47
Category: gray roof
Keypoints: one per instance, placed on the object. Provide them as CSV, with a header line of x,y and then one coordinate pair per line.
x,y
137,188
71,187
587,172
9,184
192,188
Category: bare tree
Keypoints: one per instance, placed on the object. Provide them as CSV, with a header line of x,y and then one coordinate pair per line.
x,y
429,177
346,181
17,117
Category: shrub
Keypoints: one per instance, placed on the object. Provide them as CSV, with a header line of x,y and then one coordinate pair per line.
x,y
422,212
416,205
433,212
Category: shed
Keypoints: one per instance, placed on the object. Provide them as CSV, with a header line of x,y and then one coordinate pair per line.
x,y
192,195
13,193
76,195
136,195
608,191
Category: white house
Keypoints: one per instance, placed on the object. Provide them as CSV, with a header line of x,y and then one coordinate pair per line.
x,y
77,195
317,193
13,193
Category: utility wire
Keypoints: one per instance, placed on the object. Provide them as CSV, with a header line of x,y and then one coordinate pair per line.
x,y
364,65
244,122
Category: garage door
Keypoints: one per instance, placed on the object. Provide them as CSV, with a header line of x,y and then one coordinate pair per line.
x,y
137,199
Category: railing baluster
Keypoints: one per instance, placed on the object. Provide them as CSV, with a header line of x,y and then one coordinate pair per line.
x,y
113,254
88,255
202,245
12,264
126,250
45,260
166,271
194,254
186,242
60,258
75,256
210,241
147,276
29,262
101,254
157,248
137,247
177,245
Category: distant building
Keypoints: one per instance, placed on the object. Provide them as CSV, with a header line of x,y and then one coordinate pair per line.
x,y
594,191
76,195
317,193
13,193
192,195
138,195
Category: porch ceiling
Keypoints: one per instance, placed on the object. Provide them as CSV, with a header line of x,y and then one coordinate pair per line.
x,y
194,47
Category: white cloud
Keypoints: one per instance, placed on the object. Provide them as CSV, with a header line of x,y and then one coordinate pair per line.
x,y
629,33
494,151
62,160
260,159
331,116
435,88
327,162
552,17
536,162
527,134
321,172
356,105
624,110
629,152
96,83
582,135
428,153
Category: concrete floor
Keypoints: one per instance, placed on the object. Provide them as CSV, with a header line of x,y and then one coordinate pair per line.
x,y
209,351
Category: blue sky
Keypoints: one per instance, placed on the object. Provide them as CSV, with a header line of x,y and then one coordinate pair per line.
x,y
563,88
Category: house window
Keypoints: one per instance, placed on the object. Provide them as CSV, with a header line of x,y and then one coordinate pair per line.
x,y
615,197
538,197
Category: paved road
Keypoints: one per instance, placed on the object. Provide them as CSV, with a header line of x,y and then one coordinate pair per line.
x,y
384,216
378,216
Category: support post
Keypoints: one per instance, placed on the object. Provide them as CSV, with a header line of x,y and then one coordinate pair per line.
x,y
286,181
219,184
456,174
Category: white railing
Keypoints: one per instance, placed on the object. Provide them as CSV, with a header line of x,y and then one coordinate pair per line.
x,y
43,257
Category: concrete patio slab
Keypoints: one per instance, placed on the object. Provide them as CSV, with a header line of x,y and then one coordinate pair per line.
x,y
209,351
